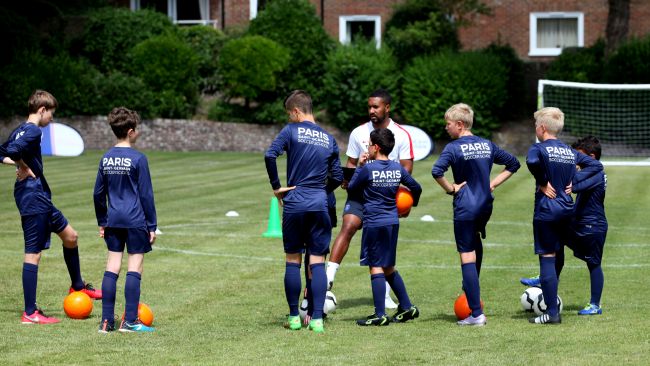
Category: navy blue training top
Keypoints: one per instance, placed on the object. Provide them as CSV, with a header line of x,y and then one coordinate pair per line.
x,y
471,159
555,162
124,181
312,153
32,195
379,181
590,202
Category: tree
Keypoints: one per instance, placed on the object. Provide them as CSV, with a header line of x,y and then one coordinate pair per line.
x,y
618,24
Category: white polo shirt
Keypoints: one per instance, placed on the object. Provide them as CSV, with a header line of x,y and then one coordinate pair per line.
x,y
360,139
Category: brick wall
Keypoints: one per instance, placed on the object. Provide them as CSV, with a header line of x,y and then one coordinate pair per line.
x,y
178,135
510,22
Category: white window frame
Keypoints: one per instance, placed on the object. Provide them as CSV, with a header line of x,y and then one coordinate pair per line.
x,y
253,9
173,15
344,27
555,51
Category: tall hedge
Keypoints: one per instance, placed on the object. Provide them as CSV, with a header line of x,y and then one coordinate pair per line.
x,y
295,25
352,72
583,65
433,84
206,42
111,32
170,68
629,63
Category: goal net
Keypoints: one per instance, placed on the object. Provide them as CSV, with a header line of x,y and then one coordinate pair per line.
x,y
617,114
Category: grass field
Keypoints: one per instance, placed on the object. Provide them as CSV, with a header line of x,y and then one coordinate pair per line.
x,y
216,288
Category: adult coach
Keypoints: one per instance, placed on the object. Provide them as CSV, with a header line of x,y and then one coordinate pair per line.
x,y
378,110
312,154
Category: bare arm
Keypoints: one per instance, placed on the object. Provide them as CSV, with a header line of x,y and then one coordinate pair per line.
x,y
450,188
407,164
499,179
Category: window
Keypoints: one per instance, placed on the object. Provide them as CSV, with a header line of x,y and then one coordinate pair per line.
x,y
255,7
551,32
179,11
365,26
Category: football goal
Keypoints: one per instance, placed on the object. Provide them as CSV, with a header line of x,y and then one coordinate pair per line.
x,y
617,114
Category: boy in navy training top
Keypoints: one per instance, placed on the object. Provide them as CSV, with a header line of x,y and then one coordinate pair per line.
x,y
553,164
588,226
471,159
38,214
312,154
126,215
379,181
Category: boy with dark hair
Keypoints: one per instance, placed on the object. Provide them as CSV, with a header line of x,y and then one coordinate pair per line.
x,y
38,214
378,182
126,215
312,154
471,159
379,104
552,164
589,225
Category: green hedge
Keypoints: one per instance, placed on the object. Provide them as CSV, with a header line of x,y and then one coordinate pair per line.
x,y
206,42
435,83
629,63
111,32
579,64
352,73
170,68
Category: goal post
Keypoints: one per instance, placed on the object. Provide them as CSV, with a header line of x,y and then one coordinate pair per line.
x,y
617,114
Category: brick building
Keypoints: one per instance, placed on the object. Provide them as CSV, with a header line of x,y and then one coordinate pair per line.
x,y
537,29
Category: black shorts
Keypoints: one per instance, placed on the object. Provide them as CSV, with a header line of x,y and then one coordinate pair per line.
x,y
353,208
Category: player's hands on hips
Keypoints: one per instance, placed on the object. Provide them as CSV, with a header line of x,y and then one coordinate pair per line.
x,y
280,192
569,189
548,190
344,184
23,172
101,231
152,237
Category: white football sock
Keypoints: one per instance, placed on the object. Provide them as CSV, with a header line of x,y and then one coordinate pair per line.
x,y
332,267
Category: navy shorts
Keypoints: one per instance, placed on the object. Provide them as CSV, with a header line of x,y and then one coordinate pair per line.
x,y
587,247
550,235
307,230
353,208
37,229
136,240
379,246
468,233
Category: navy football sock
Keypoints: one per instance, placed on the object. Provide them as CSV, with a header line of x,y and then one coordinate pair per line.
x,y
309,297
397,284
71,258
479,257
30,280
548,279
472,288
132,295
292,286
559,262
318,288
597,283
378,282
109,290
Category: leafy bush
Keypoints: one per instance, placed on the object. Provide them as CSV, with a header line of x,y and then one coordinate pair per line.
x,y
250,66
515,83
111,32
352,73
170,68
71,81
206,42
264,113
579,64
119,89
433,84
420,27
295,25
629,63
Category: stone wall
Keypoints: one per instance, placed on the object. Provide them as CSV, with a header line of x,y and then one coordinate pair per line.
x,y
178,135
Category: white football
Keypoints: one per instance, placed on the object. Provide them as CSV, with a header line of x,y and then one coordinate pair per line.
x,y
529,297
539,306
304,306
330,303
